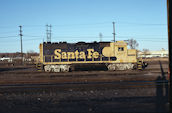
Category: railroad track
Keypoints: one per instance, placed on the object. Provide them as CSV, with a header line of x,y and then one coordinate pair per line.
x,y
96,90
30,76
87,85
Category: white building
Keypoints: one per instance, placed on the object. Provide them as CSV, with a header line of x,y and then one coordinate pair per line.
x,y
6,59
149,54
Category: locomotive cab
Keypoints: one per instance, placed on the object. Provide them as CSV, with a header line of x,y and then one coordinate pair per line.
x,y
121,52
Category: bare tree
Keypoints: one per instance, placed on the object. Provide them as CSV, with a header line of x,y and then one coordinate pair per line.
x,y
146,52
31,53
133,44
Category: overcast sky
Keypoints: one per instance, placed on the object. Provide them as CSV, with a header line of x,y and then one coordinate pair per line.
x,y
82,20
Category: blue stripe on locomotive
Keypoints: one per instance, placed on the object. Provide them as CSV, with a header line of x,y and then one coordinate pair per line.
x,y
49,48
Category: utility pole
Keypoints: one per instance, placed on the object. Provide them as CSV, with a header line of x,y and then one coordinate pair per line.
x,y
113,31
100,36
21,44
48,33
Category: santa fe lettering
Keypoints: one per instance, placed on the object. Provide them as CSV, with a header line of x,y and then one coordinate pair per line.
x,y
75,55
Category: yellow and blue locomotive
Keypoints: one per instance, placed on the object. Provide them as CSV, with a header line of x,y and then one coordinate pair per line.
x,y
59,57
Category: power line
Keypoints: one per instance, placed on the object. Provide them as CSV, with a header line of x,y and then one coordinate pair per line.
x,y
129,37
91,37
78,40
106,36
32,36
93,23
83,24
139,23
8,27
9,37
8,32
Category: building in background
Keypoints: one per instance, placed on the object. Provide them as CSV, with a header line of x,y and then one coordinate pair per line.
x,y
150,54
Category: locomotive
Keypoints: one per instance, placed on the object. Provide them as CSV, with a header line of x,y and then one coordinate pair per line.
x,y
60,57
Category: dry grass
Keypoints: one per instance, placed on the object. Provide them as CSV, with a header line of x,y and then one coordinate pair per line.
x,y
156,59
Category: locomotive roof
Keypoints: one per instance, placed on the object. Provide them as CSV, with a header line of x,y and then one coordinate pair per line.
x,y
74,43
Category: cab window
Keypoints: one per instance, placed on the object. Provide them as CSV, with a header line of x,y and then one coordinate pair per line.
x,y
120,48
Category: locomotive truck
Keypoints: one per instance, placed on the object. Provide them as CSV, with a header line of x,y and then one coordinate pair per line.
x,y
60,57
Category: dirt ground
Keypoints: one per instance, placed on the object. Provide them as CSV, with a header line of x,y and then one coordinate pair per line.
x,y
25,90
